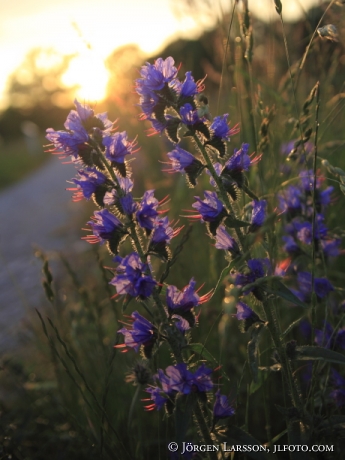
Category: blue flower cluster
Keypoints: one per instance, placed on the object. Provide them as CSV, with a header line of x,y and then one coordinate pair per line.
x,y
177,109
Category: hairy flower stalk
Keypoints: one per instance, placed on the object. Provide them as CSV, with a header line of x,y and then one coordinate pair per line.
x,y
198,131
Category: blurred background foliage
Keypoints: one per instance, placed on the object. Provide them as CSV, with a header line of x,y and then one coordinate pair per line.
x,y
46,409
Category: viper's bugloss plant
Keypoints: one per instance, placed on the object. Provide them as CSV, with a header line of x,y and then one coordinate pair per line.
x,y
277,250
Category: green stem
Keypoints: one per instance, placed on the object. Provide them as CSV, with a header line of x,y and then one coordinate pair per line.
x,y
284,360
204,429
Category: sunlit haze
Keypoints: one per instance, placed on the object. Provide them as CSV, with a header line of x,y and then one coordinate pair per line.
x,y
93,29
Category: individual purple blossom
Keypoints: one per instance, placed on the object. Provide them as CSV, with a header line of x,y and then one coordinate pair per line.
x,y
211,208
181,159
147,102
329,338
331,247
128,205
180,378
222,408
113,197
68,143
147,212
104,226
188,88
226,242
322,286
89,180
132,277
256,269
246,314
307,180
85,117
258,214
202,380
304,230
141,332
162,232
158,397
240,161
184,381
220,128
290,246
290,200
154,76
181,323
185,300
189,115
118,146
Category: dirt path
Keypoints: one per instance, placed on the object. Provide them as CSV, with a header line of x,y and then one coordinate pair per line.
x,y
35,212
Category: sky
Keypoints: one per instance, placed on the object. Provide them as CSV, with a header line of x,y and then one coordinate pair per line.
x,y
70,25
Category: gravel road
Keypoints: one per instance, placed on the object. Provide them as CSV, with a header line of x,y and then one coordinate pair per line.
x,y
37,212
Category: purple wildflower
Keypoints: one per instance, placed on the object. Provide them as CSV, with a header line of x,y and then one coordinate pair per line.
x,y
154,76
88,182
240,161
181,159
118,146
331,247
181,323
246,314
162,232
322,286
147,211
132,278
201,379
184,381
183,301
290,201
158,397
291,247
180,378
258,214
328,338
211,209
221,408
68,143
189,115
104,225
256,269
220,128
188,88
142,332
227,242
85,117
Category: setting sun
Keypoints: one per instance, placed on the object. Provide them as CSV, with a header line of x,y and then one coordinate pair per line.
x,y
88,71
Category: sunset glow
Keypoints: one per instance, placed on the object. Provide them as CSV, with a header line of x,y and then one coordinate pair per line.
x,y
92,30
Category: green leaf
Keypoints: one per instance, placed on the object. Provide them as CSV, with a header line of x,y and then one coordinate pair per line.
x,y
237,436
231,222
252,350
261,379
292,325
318,353
277,288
